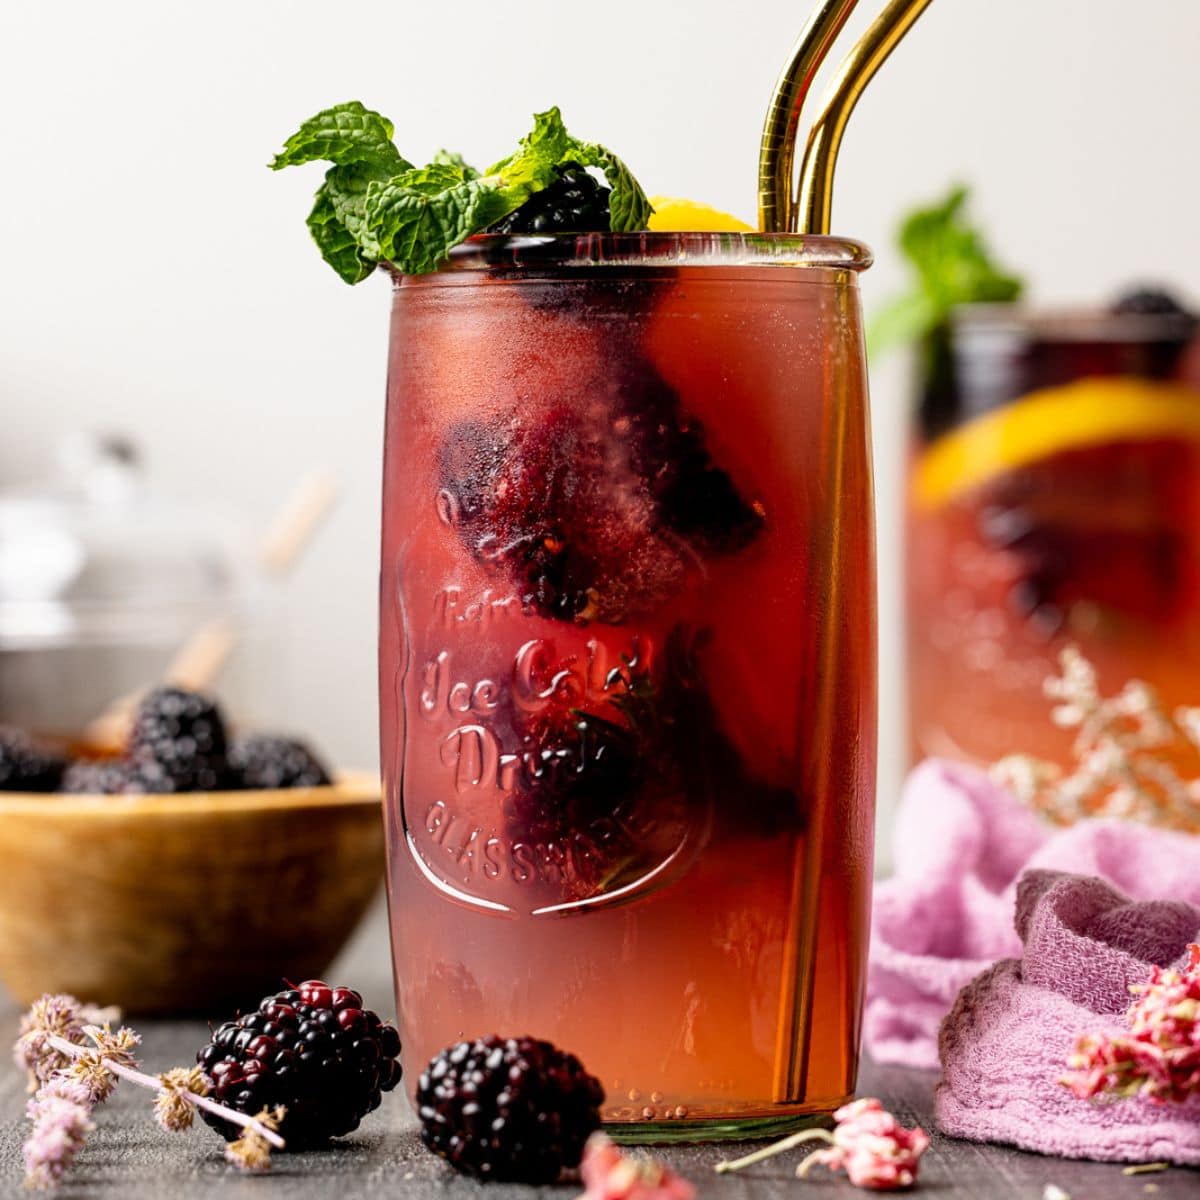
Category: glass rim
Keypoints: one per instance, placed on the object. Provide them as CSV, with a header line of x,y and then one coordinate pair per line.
x,y
532,252
1069,323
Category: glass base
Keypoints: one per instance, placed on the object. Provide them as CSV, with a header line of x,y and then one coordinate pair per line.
x,y
730,1129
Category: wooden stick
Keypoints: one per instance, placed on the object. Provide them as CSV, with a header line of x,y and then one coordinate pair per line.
x,y
297,521
203,655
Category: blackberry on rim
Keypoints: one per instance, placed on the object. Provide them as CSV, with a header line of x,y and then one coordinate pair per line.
x,y
574,203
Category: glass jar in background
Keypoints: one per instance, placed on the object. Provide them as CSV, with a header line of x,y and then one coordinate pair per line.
x,y
1054,500
627,666
102,582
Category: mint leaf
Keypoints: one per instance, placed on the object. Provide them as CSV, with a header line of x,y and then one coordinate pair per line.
x,y
338,246
952,265
549,147
951,258
338,221
419,215
359,143
345,133
540,150
452,158
627,204
531,168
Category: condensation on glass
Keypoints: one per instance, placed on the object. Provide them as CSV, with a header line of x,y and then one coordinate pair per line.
x,y
627,666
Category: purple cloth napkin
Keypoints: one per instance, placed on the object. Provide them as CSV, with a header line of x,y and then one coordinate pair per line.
x,y
1005,1042
960,843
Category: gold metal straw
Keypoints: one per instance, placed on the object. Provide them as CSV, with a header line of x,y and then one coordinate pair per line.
x,y
825,137
778,211
810,214
777,151
794,1023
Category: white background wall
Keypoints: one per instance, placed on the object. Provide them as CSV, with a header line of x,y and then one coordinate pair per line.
x,y
157,278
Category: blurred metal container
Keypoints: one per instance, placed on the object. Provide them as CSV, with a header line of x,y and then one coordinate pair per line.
x,y
101,581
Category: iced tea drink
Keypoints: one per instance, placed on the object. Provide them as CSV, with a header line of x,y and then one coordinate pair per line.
x,y
1054,500
627,666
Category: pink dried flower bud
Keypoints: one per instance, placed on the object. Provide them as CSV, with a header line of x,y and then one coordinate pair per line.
x,y
60,1126
90,1073
1101,1065
872,1147
1160,1057
60,1086
50,1016
119,1046
252,1152
611,1174
174,1109
868,1143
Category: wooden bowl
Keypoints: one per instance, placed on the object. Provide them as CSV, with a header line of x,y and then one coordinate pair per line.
x,y
185,903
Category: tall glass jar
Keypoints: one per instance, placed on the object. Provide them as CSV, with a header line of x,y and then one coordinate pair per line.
x,y
627,666
1054,501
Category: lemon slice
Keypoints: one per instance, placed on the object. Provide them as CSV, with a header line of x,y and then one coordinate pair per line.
x,y
675,215
1090,412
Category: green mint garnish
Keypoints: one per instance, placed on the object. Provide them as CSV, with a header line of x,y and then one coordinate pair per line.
x,y
952,265
418,215
375,206
452,158
345,133
359,144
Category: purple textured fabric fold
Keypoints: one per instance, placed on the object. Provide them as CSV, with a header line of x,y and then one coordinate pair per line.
x,y
1007,1038
960,843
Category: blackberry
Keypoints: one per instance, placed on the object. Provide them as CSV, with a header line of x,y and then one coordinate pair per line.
x,y
264,761
182,735
596,511
570,778
101,777
594,793
313,1049
696,499
25,768
508,1108
574,203
1149,302
113,776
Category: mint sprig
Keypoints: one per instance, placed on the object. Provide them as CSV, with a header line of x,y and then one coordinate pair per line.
x,y
952,265
359,144
375,206
452,158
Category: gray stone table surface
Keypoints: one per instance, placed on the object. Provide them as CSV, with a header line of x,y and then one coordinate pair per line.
x,y
129,1158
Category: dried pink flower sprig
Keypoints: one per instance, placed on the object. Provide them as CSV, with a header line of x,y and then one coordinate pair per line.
x,y
61,1113
1160,1057
609,1173
1127,751
868,1143
74,1065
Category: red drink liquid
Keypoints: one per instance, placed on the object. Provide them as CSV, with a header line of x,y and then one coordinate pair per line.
x,y
628,667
